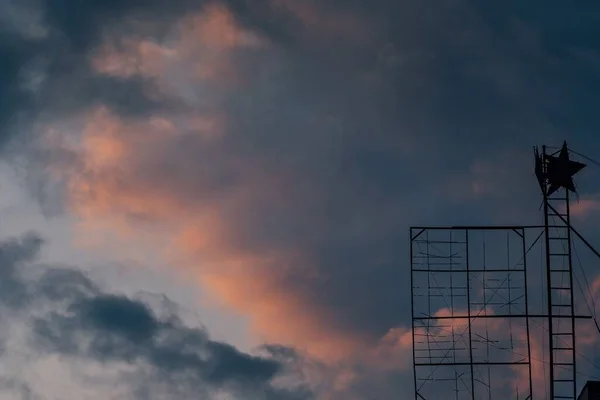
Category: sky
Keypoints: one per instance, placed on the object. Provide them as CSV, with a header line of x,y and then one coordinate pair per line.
x,y
213,198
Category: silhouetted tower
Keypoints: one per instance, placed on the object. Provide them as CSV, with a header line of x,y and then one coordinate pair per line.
x,y
555,175
470,306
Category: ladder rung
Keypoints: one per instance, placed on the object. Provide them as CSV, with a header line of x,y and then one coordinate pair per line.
x,y
559,254
562,305
555,270
563,334
563,380
557,238
562,348
564,364
560,288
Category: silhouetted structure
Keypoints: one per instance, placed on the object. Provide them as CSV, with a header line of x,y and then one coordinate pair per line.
x,y
470,307
591,391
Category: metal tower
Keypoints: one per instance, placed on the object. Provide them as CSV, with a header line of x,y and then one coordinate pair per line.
x,y
555,176
471,319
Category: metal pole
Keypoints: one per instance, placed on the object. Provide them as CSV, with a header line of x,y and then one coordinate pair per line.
x,y
412,311
548,275
469,313
527,311
568,215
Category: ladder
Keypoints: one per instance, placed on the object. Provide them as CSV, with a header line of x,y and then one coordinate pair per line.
x,y
561,312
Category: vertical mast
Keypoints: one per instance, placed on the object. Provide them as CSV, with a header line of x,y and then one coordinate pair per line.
x,y
555,174
544,185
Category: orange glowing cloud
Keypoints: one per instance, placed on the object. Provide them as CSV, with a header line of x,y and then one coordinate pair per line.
x,y
585,207
117,183
173,175
199,49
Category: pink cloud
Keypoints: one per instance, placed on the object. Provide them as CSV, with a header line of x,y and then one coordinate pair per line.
x,y
171,174
585,207
118,183
171,179
199,49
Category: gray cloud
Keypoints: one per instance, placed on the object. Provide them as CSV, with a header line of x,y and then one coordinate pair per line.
x,y
72,317
452,85
478,81
45,67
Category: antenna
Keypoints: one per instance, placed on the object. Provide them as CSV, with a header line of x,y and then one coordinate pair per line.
x,y
472,323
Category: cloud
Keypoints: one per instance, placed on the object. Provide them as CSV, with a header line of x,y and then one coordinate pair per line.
x,y
231,184
112,328
283,149
68,315
50,49
256,192
585,208
206,228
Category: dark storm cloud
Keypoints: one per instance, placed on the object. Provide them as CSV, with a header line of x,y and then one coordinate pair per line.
x,y
50,73
84,22
121,329
13,53
488,74
13,255
469,82
87,323
452,83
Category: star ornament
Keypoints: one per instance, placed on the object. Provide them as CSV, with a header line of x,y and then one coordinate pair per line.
x,y
560,170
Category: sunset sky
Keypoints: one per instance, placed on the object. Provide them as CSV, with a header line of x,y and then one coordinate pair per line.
x,y
212,199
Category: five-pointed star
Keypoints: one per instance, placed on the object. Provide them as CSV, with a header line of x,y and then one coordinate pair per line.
x,y
560,170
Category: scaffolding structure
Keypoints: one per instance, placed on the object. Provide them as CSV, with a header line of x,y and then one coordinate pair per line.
x,y
471,314
470,311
